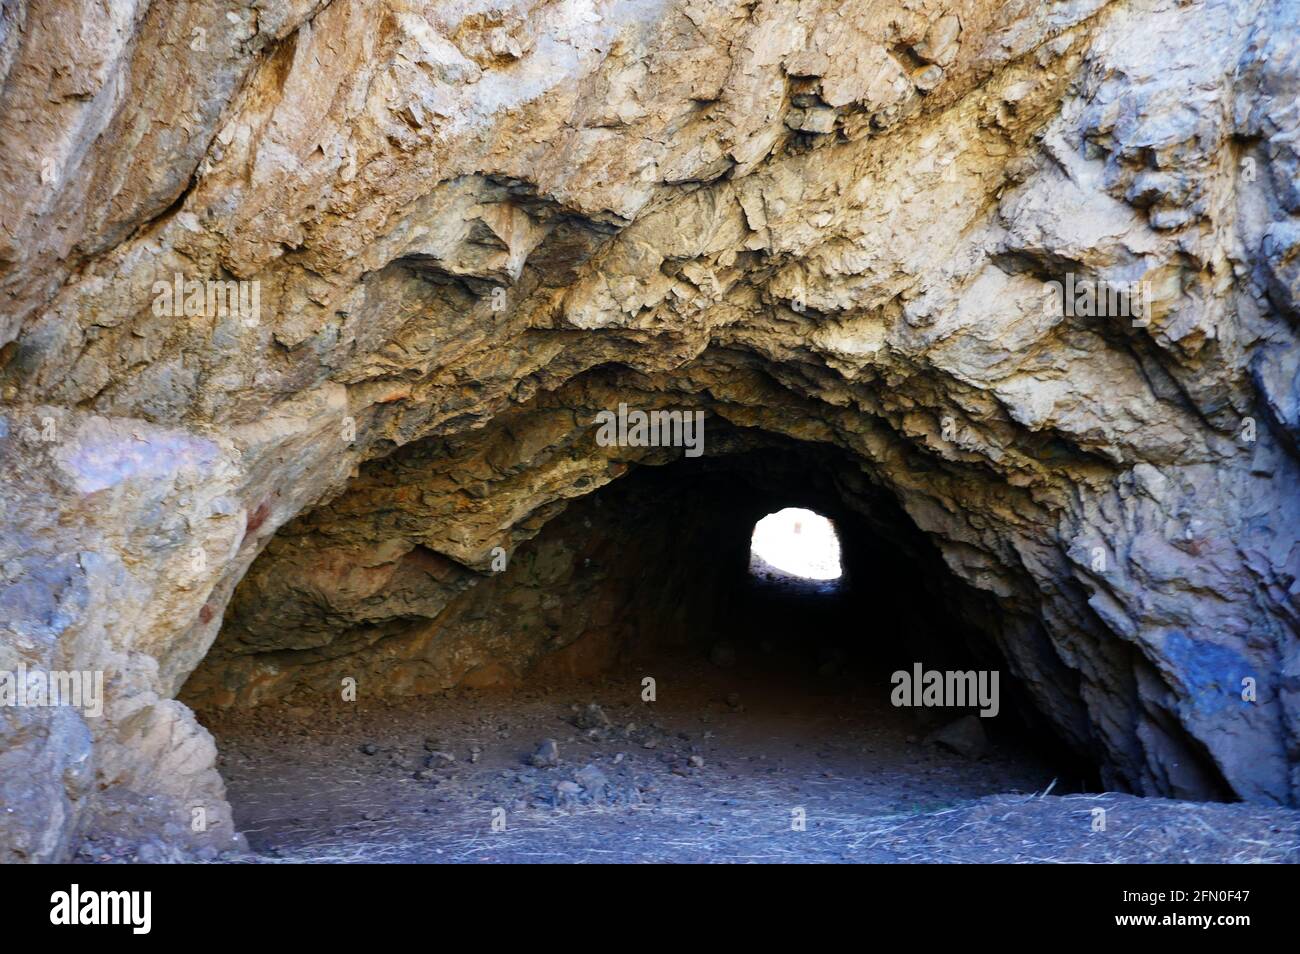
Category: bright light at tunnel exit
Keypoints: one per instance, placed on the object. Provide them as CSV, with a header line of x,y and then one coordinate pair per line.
x,y
798,542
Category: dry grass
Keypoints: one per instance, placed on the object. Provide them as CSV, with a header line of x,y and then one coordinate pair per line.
x,y
1005,828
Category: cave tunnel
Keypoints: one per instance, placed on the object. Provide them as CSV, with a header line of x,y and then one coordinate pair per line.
x,y
631,629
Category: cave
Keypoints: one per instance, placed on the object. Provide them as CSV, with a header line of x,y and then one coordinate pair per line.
x,y
398,386
641,590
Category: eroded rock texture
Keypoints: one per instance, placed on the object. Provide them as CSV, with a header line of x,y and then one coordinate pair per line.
x,y
472,225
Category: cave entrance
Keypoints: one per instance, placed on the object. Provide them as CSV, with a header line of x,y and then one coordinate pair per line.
x,y
622,675
795,544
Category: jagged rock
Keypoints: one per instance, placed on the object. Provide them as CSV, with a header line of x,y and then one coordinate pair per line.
x,y
592,716
592,779
546,756
566,793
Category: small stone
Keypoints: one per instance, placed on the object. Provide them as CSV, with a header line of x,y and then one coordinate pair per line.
x,y
593,717
591,778
547,754
566,793
369,748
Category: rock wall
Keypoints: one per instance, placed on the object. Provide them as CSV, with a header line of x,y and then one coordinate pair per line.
x,y
425,240
633,568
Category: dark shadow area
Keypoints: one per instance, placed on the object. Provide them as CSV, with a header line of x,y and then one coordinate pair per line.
x,y
768,696
892,610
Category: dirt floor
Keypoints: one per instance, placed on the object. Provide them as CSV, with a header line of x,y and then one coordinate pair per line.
x,y
727,765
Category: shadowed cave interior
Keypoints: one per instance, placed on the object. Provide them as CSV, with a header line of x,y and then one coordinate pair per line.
x,y
650,575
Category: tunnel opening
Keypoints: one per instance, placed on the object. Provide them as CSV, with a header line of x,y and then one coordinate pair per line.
x,y
795,544
623,656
